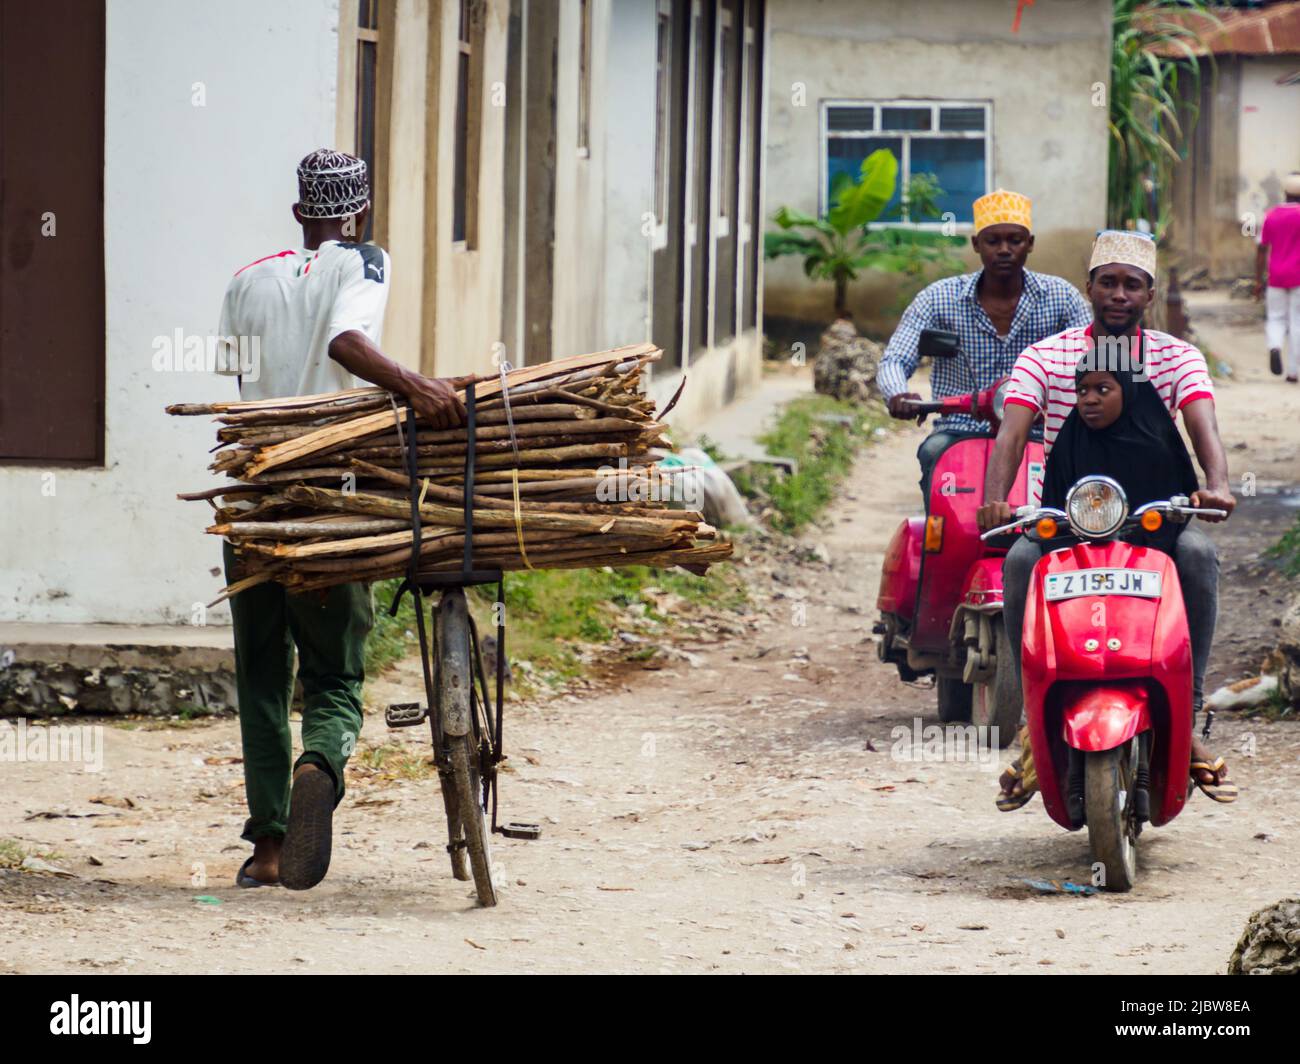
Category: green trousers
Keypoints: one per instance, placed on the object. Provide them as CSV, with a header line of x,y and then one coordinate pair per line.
x,y
329,629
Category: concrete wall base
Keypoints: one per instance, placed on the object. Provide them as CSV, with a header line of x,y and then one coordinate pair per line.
x,y
57,670
715,378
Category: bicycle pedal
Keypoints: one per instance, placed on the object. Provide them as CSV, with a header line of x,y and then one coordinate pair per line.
x,y
404,714
521,831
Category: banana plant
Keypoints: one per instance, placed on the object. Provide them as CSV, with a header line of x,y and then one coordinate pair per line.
x,y
838,245
1154,43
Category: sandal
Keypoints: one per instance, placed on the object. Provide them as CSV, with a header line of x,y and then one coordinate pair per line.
x,y
1008,801
1219,788
1022,769
243,879
308,839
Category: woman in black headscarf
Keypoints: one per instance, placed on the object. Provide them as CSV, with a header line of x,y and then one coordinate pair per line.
x,y
1121,428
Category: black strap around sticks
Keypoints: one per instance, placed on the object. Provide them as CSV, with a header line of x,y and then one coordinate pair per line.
x,y
468,575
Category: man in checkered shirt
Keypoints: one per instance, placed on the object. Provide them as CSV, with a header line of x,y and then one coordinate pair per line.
x,y
997,312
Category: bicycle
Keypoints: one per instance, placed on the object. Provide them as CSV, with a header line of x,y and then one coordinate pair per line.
x,y
466,725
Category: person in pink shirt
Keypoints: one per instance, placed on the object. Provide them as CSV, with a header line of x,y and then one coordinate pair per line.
x,y
1279,255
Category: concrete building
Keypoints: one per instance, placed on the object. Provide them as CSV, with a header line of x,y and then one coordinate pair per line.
x,y
966,89
1246,140
549,177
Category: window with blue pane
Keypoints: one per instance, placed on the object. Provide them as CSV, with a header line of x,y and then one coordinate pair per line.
x,y
945,138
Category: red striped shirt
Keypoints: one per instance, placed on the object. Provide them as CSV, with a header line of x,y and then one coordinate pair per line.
x,y
1043,376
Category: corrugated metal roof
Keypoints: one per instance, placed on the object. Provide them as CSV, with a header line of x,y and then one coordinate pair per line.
x,y
1273,30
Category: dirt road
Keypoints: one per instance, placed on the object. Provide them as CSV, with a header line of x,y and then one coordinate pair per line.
x,y
737,811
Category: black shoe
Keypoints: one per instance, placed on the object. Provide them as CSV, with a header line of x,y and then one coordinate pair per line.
x,y
310,834
1275,362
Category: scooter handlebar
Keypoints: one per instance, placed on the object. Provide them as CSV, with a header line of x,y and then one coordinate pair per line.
x,y
1025,515
1176,508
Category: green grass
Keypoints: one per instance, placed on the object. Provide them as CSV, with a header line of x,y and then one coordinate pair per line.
x,y
824,451
388,640
1287,550
400,762
550,613
11,853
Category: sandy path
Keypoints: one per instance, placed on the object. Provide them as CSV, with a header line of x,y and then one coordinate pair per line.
x,y
728,817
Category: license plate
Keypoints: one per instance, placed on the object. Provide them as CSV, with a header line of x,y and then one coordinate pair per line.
x,y
1140,583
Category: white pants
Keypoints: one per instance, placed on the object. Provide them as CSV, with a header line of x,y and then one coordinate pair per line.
x,y
1283,307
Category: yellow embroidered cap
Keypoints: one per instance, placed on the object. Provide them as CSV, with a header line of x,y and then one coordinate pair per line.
x,y
1127,246
1003,208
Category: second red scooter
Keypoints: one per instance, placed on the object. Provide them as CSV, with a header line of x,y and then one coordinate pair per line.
x,y
940,597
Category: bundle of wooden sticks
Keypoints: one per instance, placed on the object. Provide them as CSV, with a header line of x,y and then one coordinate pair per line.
x,y
565,478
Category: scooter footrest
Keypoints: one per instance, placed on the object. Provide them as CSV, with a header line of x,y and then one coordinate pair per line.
x,y
405,714
516,830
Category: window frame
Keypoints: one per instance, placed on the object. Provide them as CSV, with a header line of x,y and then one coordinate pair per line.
x,y
825,134
585,16
467,137
664,73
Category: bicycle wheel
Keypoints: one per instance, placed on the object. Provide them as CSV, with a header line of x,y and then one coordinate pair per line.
x,y
460,731
473,817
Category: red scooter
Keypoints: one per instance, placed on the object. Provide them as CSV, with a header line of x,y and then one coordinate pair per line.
x,y
1106,664
940,597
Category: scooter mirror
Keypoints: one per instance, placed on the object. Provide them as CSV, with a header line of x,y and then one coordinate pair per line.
x,y
937,343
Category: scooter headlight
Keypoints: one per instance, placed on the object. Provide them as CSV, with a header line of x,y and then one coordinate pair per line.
x,y
1096,506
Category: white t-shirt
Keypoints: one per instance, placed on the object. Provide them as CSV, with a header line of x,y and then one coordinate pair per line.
x,y
281,312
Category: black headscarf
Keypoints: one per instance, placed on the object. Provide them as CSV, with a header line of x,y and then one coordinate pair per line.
x,y
1141,450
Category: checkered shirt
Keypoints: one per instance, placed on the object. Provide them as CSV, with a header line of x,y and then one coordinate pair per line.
x,y
1047,306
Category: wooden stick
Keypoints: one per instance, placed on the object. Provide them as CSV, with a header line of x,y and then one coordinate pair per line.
x,y
435,513
368,424
309,527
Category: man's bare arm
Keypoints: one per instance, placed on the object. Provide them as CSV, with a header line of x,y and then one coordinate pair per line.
x,y
1261,270
1004,463
434,400
1203,428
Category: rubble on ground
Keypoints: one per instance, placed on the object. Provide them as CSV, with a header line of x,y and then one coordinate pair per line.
x,y
1270,945
846,363
1288,655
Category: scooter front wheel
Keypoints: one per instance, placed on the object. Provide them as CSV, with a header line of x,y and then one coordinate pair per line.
x,y
1112,826
954,699
998,704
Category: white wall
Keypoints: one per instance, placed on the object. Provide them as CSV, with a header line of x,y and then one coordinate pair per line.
x,y
467,283
190,195
1049,139
626,105
1268,138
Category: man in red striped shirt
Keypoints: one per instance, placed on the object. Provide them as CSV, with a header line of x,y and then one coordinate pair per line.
x,y
1121,285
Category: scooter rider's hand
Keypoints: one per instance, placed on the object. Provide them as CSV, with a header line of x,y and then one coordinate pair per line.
x,y
901,407
1214,499
994,515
